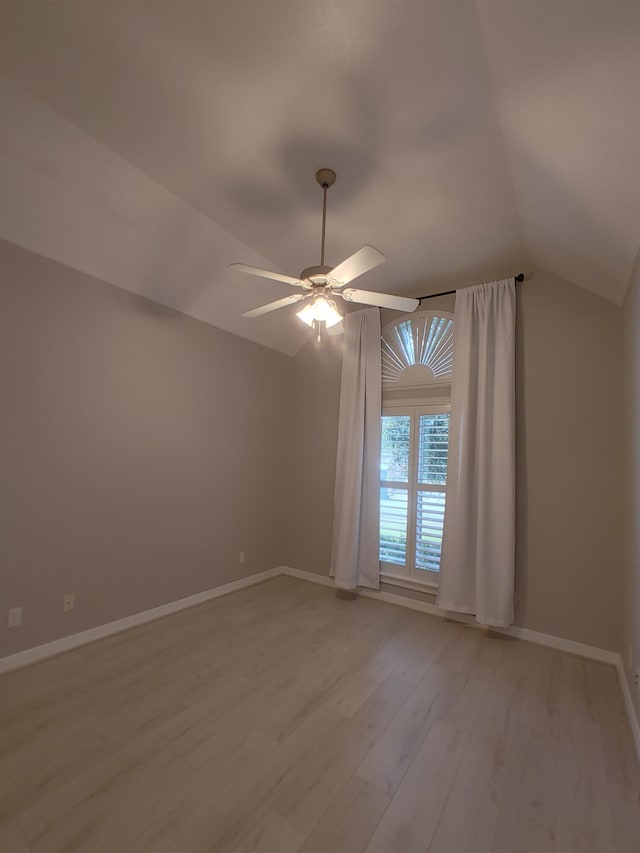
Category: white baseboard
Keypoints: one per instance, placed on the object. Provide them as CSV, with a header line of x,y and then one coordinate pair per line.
x,y
323,580
628,701
564,645
47,650
55,647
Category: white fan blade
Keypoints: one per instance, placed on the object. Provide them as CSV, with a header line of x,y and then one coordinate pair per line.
x,y
362,261
382,300
287,279
272,306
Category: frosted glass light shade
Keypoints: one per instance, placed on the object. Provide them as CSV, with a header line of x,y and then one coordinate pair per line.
x,y
321,309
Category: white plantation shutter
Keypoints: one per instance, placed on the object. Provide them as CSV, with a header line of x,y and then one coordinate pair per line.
x,y
433,449
429,526
395,459
413,483
417,357
425,341
393,525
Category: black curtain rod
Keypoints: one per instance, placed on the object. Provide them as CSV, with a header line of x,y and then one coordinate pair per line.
x,y
519,278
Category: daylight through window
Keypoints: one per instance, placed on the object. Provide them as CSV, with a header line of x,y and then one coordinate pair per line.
x,y
413,488
414,447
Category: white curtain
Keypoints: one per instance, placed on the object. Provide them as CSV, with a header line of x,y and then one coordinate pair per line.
x,y
354,557
477,573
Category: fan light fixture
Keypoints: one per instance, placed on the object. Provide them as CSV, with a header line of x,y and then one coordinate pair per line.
x,y
321,310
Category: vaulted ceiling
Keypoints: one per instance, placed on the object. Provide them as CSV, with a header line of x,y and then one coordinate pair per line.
x,y
153,143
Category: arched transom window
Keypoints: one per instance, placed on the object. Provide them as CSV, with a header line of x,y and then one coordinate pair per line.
x,y
418,350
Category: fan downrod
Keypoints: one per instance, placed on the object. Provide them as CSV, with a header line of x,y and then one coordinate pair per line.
x,y
326,178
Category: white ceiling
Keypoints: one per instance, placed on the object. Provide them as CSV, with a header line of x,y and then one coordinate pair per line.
x,y
152,144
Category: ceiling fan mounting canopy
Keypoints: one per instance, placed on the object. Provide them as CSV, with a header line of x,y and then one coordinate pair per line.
x,y
320,282
326,177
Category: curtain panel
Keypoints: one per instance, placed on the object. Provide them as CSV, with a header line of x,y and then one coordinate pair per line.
x,y
354,557
477,573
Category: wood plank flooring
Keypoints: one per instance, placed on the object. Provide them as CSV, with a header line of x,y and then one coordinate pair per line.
x,y
282,719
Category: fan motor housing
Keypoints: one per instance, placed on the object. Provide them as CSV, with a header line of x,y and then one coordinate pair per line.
x,y
313,273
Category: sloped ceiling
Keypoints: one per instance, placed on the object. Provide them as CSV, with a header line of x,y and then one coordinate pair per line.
x,y
152,144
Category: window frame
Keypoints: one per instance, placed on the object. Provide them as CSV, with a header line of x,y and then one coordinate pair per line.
x,y
409,575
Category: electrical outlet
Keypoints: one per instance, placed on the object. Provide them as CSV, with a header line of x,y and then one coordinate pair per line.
x,y
241,557
15,617
69,602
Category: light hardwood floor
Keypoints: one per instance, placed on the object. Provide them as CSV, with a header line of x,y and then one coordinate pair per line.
x,y
282,718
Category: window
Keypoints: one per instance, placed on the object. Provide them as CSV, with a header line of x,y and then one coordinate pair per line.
x,y
417,354
413,488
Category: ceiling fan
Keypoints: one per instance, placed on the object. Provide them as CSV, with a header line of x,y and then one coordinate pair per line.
x,y
320,284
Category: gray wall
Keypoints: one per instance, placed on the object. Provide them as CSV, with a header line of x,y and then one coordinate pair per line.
x,y
631,338
141,451
313,432
569,528
569,514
